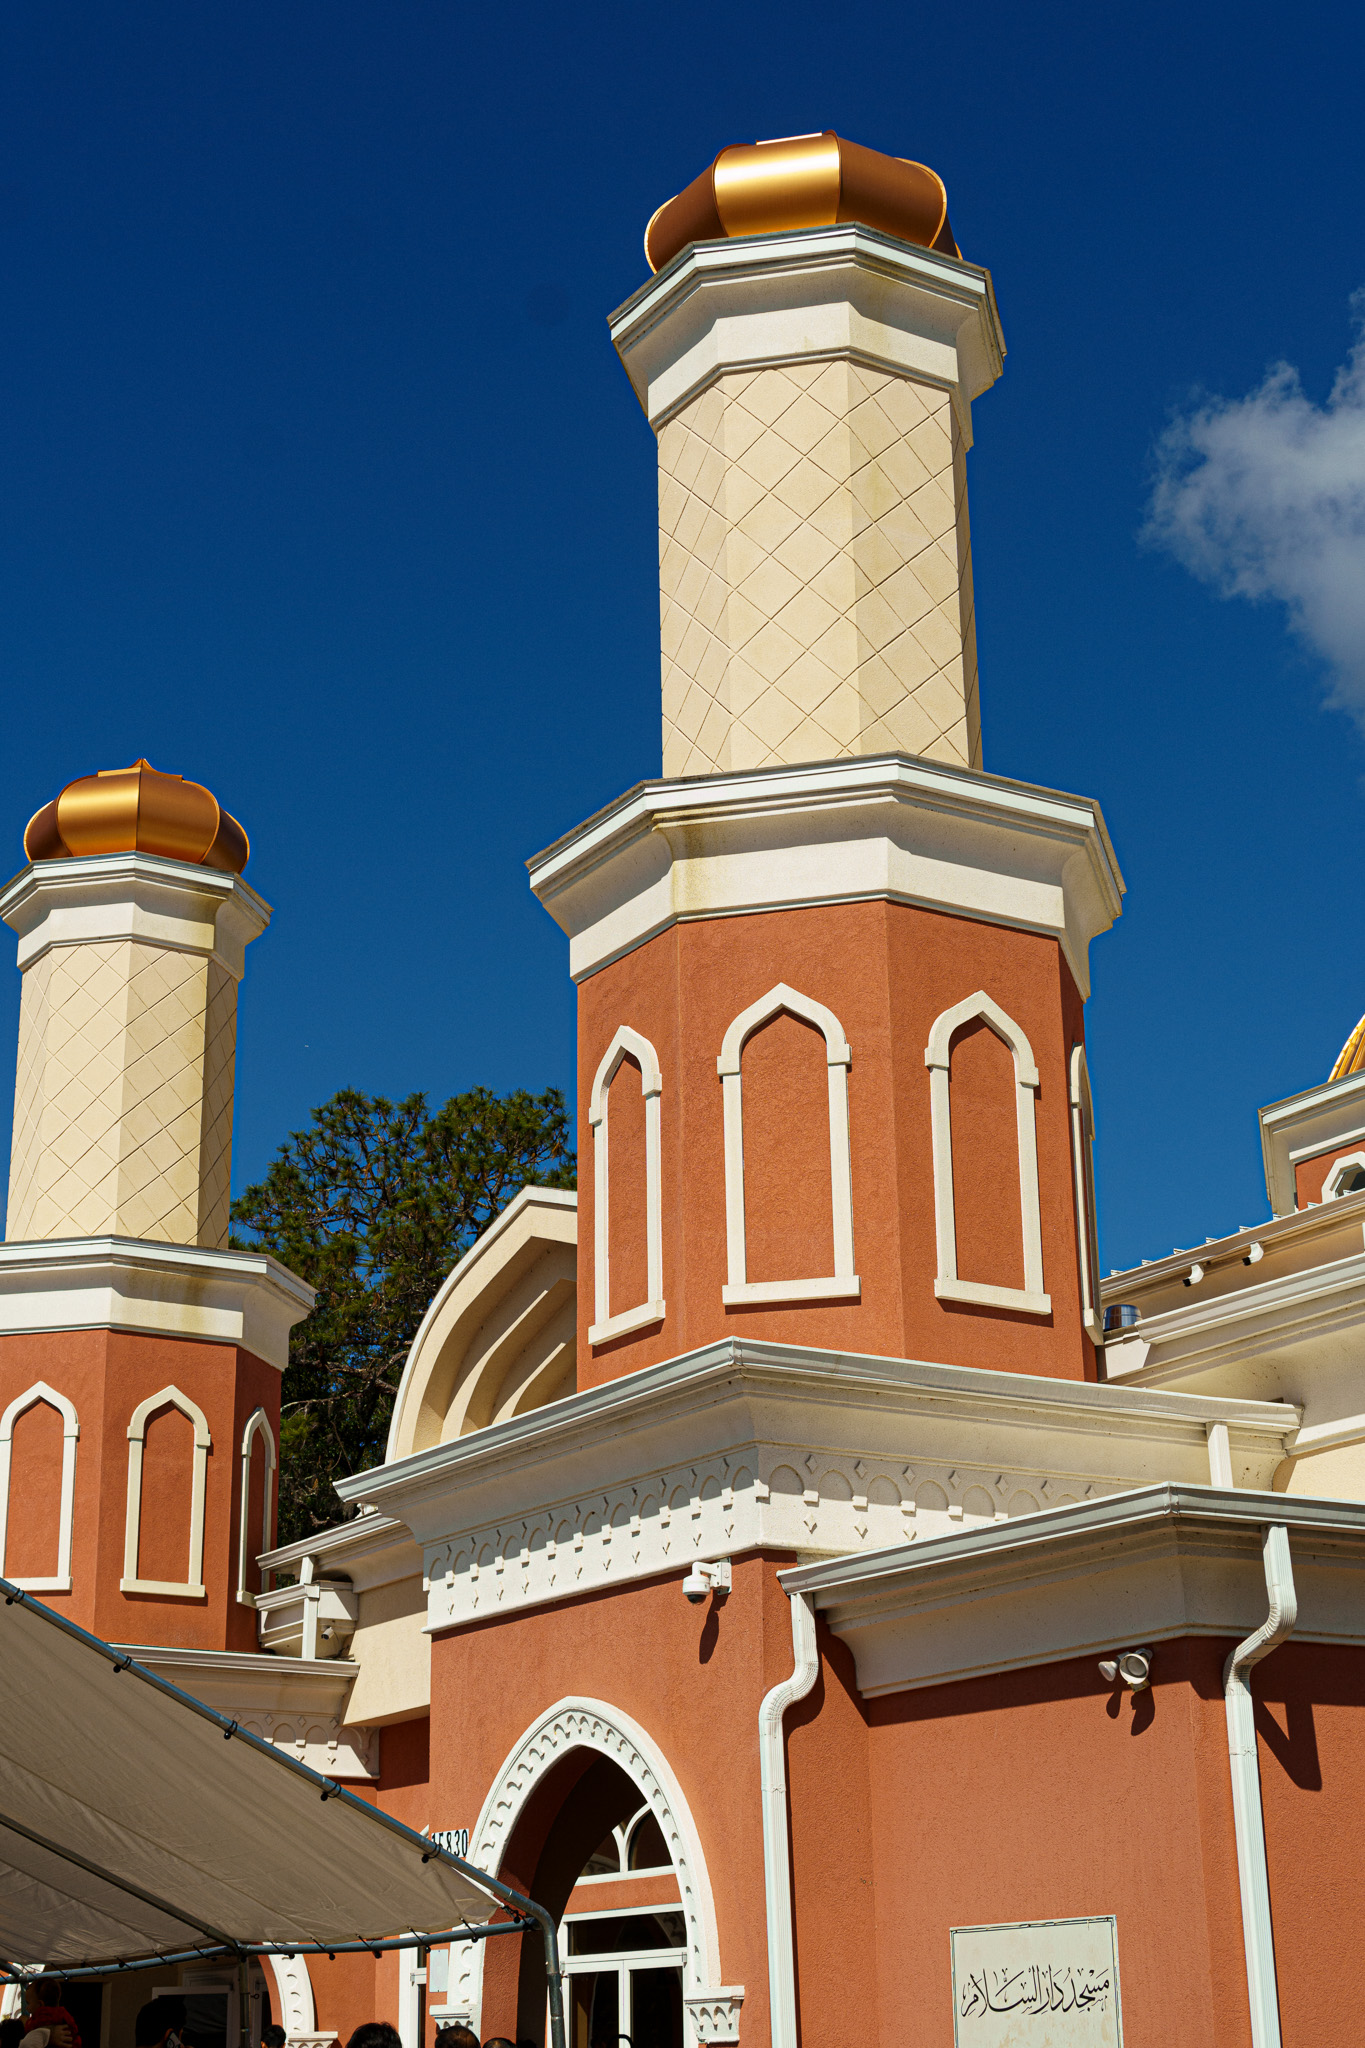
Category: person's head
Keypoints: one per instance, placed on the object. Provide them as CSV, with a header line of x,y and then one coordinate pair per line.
x,y
46,1991
157,2019
375,2034
499,2041
456,2037
273,2037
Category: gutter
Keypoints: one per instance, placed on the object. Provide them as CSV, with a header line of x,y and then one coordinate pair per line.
x,y
1252,1874
777,1874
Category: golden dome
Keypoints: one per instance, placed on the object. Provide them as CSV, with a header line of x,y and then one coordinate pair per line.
x,y
803,181
138,810
1351,1058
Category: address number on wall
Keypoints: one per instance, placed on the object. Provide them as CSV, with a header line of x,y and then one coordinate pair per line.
x,y
455,1841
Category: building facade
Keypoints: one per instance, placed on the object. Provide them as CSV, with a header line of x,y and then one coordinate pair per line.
x,y
792,1563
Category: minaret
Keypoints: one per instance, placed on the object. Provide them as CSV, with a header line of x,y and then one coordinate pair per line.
x,y
140,1357
831,974
812,398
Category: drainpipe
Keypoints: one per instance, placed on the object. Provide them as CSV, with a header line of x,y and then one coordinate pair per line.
x,y
777,1870
1252,1875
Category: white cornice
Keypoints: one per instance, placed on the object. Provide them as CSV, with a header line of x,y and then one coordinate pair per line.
x,y
809,295
1139,1567
892,827
745,1445
1302,1125
168,903
153,1289
372,1549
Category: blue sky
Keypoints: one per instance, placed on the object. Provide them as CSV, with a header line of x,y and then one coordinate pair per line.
x,y
322,484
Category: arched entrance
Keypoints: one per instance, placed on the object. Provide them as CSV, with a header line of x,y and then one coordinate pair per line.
x,y
586,1787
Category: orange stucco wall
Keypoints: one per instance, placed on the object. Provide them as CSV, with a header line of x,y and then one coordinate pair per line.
x,y
1309,1174
887,971
106,1373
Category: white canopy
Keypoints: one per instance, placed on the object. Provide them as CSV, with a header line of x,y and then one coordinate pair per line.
x,y
130,1828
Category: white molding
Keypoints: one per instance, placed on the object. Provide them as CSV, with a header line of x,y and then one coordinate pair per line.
x,y
1031,1298
192,1586
842,1284
809,294
535,1220
257,1425
1146,1566
580,1723
171,904
605,1325
40,1391
1331,1192
888,828
152,1289
296,2013
1304,1126
1083,1168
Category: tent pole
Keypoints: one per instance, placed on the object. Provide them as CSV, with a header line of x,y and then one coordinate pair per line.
x,y
244,2001
554,1982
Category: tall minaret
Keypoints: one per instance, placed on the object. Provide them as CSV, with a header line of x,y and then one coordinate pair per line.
x,y
831,974
140,1356
812,396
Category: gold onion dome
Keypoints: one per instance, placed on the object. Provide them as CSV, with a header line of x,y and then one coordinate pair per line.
x,y
1351,1058
803,181
138,810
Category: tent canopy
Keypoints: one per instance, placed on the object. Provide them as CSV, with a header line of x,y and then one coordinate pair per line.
x,y
131,1829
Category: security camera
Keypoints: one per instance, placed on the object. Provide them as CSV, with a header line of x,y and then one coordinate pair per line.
x,y
707,1578
1132,1667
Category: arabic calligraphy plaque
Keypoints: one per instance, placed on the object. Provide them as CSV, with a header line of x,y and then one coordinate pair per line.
x,y
1037,1984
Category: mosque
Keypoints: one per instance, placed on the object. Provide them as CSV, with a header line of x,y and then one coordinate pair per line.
x,y
791,1562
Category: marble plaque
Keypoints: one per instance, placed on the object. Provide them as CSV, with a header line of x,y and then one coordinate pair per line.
x,y
1037,1984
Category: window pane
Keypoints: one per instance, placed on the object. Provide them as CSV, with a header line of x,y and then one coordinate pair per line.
x,y
657,2009
648,1849
618,1932
593,2020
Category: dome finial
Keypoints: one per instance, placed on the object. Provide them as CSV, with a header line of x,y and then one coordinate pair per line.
x,y
138,810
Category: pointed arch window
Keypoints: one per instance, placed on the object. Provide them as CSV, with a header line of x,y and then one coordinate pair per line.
x,y
191,1587
60,1582
842,1284
258,1426
1083,1166
1030,1299
633,1045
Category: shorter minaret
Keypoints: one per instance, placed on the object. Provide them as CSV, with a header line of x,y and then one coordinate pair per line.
x,y
140,1356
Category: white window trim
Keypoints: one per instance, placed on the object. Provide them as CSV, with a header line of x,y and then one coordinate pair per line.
x,y
843,1284
605,1325
258,1425
71,1429
1330,1191
1029,1299
1083,1162
192,1586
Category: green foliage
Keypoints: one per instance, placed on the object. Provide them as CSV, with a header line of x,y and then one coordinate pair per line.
x,y
373,1204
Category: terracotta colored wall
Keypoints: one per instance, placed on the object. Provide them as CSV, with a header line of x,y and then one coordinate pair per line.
x,y
35,1494
1309,1174
626,1175
106,1374
887,971
693,1678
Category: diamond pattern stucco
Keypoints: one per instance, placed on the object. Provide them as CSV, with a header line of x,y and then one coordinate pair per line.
x,y
123,1102
815,572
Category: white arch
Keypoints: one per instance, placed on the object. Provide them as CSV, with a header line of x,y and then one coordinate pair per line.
x,y
295,2010
71,1429
1083,1164
577,1723
1030,1298
191,1587
651,1310
843,1284
257,1425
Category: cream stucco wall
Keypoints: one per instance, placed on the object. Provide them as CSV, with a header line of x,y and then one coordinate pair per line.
x,y
394,1655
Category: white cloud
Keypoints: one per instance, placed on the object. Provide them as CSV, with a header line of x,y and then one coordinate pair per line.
x,y
1264,497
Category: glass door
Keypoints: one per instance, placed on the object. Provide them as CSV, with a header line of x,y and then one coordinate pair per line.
x,y
623,1975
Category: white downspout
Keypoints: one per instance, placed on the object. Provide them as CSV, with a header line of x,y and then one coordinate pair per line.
x,y
1252,1875
777,1872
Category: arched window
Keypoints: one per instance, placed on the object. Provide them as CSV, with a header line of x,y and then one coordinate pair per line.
x,y
626,1044
1030,1298
1346,1176
1083,1164
258,1426
842,1284
191,1587
60,1582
